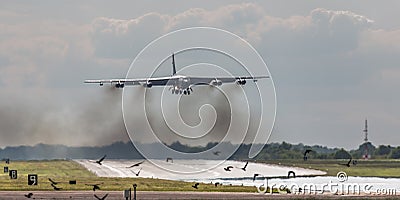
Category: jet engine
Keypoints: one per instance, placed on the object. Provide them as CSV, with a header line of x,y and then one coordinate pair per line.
x,y
216,82
148,84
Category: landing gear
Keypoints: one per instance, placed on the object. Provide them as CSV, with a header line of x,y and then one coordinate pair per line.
x,y
186,91
119,85
241,82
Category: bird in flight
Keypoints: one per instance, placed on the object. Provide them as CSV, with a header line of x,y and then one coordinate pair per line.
x,y
100,160
244,168
103,198
136,164
347,164
137,174
95,186
53,182
195,186
254,176
291,172
29,195
305,154
55,187
228,168
178,84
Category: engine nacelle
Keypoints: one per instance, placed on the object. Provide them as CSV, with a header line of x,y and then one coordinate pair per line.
x,y
216,82
148,85
241,82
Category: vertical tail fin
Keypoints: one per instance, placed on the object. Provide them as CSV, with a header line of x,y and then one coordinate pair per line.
x,y
173,65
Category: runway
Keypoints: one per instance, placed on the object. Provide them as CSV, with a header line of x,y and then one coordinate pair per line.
x,y
237,176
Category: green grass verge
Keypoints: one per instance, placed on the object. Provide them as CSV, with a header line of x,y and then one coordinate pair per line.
x,y
62,171
364,168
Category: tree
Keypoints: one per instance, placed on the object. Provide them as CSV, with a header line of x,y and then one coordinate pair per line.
x,y
286,146
383,150
342,154
395,153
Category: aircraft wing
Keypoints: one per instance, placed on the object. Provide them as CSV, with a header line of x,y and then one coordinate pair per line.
x,y
156,81
221,80
171,80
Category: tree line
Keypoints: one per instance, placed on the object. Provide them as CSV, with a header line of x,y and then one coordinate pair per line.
x,y
125,150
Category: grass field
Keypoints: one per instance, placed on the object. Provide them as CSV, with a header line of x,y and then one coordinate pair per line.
x,y
63,171
367,168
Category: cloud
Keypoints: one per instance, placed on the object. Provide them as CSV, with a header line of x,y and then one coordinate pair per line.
x,y
30,54
239,17
322,31
116,38
124,38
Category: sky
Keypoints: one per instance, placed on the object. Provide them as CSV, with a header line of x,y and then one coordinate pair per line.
x,y
333,63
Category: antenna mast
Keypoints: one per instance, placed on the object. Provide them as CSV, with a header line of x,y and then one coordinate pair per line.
x,y
366,154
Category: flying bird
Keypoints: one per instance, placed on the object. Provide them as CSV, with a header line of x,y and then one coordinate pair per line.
x,y
55,187
291,172
137,174
244,168
254,177
305,154
101,160
228,168
95,186
216,153
53,182
103,198
196,185
170,159
347,164
136,165
29,195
